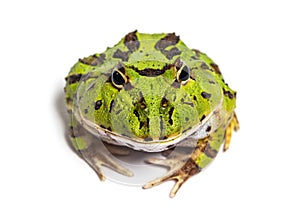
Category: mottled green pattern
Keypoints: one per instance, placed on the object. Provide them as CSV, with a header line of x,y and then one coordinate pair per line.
x,y
119,109
215,141
150,92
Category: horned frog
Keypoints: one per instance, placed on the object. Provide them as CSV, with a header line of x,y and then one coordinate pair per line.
x,y
150,92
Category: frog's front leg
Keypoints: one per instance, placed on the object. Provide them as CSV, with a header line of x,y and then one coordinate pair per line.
x,y
94,152
182,167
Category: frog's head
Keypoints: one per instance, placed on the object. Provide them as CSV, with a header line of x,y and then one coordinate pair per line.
x,y
150,102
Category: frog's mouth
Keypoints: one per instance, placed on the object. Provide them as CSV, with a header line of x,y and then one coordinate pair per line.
x,y
186,138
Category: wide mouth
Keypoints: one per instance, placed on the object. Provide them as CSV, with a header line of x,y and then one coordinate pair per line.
x,y
148,142
199,131
140,144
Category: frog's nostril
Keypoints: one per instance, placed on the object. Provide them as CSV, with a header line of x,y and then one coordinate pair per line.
x,y
164,102
142,103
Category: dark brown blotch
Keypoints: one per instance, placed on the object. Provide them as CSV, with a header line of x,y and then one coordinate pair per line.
x,y
69,100
136,113
111,106
163,137
73,78
178,63
141,95
123,55
101,59
161,123
216,68
210,152
170,115
208,129
150,72
203,117
204,66
176,84
142,124
88,61
171,53
88,76
131,41
98,104
128,86
229,94
205,95
187,103
190,167
168,40
93,60
71,131
197,52
148,139
102,126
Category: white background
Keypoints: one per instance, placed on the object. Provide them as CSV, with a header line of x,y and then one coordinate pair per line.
x,y
255,43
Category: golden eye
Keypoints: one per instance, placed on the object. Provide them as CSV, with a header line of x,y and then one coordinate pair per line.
x,y
183,74
182,71
118,78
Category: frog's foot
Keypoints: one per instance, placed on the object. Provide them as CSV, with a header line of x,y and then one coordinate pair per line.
x,y
98,158
180,170
233,126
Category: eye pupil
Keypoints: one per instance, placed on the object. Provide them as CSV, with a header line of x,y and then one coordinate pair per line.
x,y
117,78
184,74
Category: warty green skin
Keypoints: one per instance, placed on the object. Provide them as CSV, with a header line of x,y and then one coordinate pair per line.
x,y
153,108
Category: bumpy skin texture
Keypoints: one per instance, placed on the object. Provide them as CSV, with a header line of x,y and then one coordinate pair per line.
x,y
150,88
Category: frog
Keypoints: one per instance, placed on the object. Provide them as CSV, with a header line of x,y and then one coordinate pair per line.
x,y
150,93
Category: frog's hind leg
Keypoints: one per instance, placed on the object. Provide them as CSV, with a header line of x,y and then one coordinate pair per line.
x,y
181,168
94,152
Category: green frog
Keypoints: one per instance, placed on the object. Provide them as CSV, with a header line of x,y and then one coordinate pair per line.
x,y
150,92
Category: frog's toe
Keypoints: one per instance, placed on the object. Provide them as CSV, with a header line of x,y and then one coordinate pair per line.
x,y
180,170
110,163
97,159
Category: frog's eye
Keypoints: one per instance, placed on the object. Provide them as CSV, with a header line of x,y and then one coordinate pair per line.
x,y
182,71
118,78
183,74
